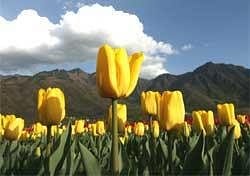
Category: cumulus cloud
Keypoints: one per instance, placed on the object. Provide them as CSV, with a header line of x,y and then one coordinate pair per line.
x,y
31,40
186,47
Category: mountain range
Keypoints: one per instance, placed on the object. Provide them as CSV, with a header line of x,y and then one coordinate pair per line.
x,y
203,88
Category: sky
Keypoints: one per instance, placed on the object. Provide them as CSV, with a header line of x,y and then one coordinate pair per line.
x,y
176,36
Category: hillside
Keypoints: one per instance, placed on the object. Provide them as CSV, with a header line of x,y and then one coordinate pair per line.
x,y
206,86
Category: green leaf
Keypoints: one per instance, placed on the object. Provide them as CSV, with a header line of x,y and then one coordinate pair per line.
x,y
164,148
58,156
90,162
194,162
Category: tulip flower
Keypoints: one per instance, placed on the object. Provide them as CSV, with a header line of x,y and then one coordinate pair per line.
x,y
122,117
7,119
79,126
139,129
116,73
241,118
100,127
150,103
155,129
51,106
38,152
172,110
226,113
13,129
197,122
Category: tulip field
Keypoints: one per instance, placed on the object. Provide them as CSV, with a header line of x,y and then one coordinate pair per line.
x,y
165,142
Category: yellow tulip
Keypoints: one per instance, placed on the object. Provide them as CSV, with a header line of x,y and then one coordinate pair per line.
x,y
13,129
139,129
116,73
172,110
73,129
51,106
226,113
208,121
150,103
93,127
129,129
146,127
155,129
197,122
38,128
237,130
121,115
100,127
241,118
186,129
7,119
79,126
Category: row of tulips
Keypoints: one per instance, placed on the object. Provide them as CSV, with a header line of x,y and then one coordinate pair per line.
x,y
80,148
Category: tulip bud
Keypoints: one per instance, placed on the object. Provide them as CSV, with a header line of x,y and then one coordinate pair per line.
x,y
155,129
51,106
100,127
172,110
241,118
13,129
116,73
146,127
186,129
226,113
121,115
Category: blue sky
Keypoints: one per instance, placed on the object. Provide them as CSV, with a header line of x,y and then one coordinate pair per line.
x,y
198,31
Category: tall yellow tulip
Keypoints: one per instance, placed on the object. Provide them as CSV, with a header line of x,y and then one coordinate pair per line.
x,y
116,77
51,106
122,117
226,113
172,110
116,73
13,129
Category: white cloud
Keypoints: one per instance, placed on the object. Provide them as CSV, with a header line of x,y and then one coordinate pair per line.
x,y
31,40
187,47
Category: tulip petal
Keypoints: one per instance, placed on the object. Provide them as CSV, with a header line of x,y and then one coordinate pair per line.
x,y
122,71
106,73
135,62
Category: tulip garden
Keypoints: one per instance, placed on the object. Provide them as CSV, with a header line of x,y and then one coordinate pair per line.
x,y
165,142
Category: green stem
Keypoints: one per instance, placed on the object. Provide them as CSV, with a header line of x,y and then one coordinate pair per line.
x,y
48,149
115,166
170,148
